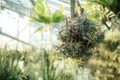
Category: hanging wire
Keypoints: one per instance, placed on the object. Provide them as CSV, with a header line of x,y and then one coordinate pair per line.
x,y
0,4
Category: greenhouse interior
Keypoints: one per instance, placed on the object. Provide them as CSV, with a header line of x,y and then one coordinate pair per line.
x,y
59,40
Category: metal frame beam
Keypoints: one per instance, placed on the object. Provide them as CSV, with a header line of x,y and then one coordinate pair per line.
x,y
14,38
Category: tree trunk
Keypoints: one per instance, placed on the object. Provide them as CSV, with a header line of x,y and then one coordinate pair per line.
x,y
72,6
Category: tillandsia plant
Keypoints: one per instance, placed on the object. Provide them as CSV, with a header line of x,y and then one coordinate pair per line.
x,y
44,15
78,38
105,65
9,66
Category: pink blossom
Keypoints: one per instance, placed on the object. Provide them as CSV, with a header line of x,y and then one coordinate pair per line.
x,y
69,20
72,28
96,33
97,49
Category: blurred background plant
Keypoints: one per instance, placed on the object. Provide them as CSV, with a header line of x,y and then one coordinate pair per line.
x,y
112,5
9,65
110,10
34,65
50,66
92,11
105,64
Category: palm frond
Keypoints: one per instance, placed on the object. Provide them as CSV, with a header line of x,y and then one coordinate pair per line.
x,y
43,14
35,19
112,5
58,15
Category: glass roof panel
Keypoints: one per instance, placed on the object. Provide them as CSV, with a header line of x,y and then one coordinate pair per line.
x,y
23,6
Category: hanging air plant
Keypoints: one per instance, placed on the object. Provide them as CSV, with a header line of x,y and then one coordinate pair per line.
x,y
78,38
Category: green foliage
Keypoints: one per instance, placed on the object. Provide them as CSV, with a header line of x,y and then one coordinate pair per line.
x,y
44,67
9,69
78,39
58,16
110,9
36,65
44,15
92,11
105,64
112,5
47,68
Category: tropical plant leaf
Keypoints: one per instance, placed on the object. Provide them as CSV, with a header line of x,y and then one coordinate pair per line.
x,y
112,5
39,8
58,15
35,19
40,29
43,14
